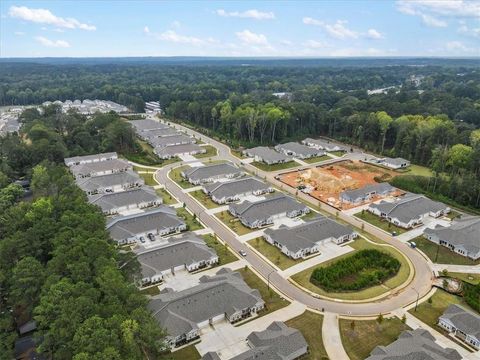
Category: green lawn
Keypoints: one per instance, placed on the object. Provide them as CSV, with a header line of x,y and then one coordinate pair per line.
x,y
211,152
453,214
367,334
303,277
153,290
187,353
203,199
310,325
312,214
317,159
225,256
238,154
233,223
273,301
445,256
419,170
175,175
473,279
148,177
338,153
274,167
190,220
379,222
146,156
273,253
168,199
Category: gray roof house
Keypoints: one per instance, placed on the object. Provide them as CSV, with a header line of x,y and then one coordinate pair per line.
x,y
324,145
125,180
211,355
224,192
222,296
409,211
185,252
131,228
147,124
396,163
298,150
266,155
264,212
416,344
169,152
462,237
358,196
114,203
151,134
305,239
464,324
77,160
99,168
180,139
210,173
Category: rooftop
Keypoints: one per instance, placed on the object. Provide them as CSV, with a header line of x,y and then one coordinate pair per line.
x,y
362,192
298,149
147,124
160,142
91,158
110,201
234,187
110,180
464,320
174,150
267,154
204,172
99,166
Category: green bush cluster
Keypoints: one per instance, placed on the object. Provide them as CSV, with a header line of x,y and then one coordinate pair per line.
x,y
472,295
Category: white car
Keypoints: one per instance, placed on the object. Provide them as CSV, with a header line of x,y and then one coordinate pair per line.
x,y
242,252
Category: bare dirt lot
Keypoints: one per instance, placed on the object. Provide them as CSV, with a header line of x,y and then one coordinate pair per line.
x,y
325,183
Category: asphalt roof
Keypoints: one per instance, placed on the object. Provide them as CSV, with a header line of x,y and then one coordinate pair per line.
x,y
396,161
93,167
120,178
234,187
464,320
177,149
147,124
110,201
325,144
91,157
416,344
224,293
171,140
167,131
305,235
464,232
380,188
408,208
200,173
267,154
299,149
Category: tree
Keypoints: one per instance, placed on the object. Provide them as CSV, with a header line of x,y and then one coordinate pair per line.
x,y
404,319
26,281
384,121
459,157
380,320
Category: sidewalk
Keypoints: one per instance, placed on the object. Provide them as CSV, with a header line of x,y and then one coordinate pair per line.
x,y
332,339
470,269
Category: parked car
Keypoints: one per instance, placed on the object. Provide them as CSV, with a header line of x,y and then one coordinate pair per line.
x,y
142,239
242,252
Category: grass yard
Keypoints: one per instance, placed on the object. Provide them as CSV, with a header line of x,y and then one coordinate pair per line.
x,y
274,167
187,353
445,256
379,222
310,325
273,253
148,177
225,256
237,153
233,223
273,301
303,277
312,214
453,214
211,152
419,170
473,279
168,199
153,290
367,334
338,153
203,199
175,175
317,159
189,219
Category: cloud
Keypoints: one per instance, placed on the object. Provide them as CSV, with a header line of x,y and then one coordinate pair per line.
x,y
251,38
52,43
314,44
457,46
44,16
338,30
19,33
464,29
374,34
146,30
432,21
455,8
252,14
176,24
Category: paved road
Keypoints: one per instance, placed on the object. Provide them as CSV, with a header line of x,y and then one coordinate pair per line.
x,y
420,285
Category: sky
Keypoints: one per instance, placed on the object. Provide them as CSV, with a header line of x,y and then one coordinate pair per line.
x,y
88,28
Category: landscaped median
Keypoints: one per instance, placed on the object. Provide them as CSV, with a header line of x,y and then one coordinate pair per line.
x,y
404,275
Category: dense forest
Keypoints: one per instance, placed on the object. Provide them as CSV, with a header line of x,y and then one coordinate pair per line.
x,y
57,263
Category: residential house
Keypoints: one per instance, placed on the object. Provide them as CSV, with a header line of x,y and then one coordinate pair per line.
x,y
147,124
396,163
324,145
366,193
169,152
180,139
210,173
409,211
264,212
298,150
121,181
305,239
148,135
462,323
99,168
87,159
223,296
416,344
137,227
462,237
114,203
225,192
266,155
186,252
152,107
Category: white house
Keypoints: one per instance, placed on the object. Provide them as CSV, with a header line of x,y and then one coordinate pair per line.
x,y
462,323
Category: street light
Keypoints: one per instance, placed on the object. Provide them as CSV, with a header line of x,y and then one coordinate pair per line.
x,y
418,295
268,278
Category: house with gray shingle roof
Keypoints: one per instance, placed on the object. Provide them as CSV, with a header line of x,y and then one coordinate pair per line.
x,y
211,355
396,163
462,323
416,344
148,135
358,196
409,211
210,173
121,181
185,252
99,168
78,160
158,222
305,239
116,202
264,212
222,296
180,139
266,155
298,150
147,124
324,145
462,237
169,152
225,192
